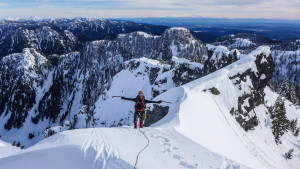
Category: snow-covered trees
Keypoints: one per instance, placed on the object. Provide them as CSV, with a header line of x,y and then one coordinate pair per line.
x,y
290,91
280,123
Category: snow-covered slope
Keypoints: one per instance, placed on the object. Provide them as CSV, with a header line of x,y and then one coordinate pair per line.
x,y
7,149
207,118
218,121
117,148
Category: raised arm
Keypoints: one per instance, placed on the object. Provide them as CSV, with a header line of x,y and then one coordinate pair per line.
x,y
130,99
150,101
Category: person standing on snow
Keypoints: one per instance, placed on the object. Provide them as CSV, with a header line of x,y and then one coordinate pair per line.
x,y
140,106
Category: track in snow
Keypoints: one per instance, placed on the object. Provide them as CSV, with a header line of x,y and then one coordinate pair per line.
x,y
137,157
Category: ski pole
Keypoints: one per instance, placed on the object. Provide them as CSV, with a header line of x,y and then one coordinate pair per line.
x,y
165,101
117,96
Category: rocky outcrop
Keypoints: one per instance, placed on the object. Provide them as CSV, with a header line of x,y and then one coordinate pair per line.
x,y
214,91
155,114
257,79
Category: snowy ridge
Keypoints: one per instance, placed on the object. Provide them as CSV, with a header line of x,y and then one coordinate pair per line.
x,y
205,118
107,148
261,49
199,124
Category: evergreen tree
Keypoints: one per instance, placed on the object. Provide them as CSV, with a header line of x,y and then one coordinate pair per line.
x,y
289,154
284,88
288,90
294,128
272,85
293,93
18,144
280,123
298,94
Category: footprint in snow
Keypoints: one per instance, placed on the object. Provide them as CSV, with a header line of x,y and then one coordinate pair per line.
x,y
183,163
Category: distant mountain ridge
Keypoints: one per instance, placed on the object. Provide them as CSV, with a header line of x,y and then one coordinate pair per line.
x,y
59,36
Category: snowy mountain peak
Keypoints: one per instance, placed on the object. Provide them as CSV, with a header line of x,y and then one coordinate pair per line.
x,y
176,31
262,50
35,18
29,62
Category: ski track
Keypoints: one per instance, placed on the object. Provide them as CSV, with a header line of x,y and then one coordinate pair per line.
x,y
137,157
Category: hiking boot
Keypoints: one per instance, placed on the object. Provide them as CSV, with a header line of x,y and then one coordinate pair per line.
x,y
135,125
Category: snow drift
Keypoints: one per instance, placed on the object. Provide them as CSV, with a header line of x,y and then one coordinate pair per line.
x,y
116,148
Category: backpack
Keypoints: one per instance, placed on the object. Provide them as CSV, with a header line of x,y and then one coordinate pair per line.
x,y
140,105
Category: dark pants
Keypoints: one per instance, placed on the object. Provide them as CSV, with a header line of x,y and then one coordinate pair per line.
x,y
139,115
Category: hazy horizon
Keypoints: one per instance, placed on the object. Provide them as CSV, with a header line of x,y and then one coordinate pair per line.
x,y
248,9
166,17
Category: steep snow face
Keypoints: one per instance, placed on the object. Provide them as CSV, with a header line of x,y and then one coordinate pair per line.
x,y
112,148
214,119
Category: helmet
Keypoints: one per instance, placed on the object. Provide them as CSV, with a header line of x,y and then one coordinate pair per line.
x,y
141,92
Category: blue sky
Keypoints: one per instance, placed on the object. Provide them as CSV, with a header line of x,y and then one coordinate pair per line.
x,y
273,9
